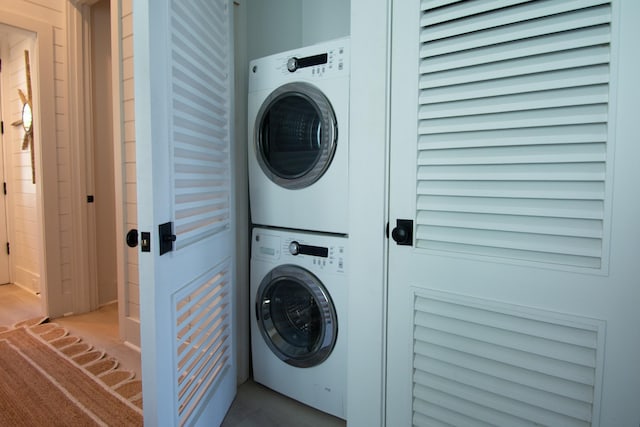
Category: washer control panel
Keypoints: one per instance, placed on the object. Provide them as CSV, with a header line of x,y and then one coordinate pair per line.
x,y
312,63
313,251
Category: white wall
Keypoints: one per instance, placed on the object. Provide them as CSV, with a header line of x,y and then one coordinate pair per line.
x,y
325,20
273,26
24,227
51,141
279,25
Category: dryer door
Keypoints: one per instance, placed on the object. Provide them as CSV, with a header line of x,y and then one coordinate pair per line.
x,y
295,135
296,316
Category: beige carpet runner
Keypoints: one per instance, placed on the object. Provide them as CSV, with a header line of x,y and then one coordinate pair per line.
x,y
48,377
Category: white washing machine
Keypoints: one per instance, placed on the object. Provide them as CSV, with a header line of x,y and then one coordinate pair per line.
x,y
298,327
298,120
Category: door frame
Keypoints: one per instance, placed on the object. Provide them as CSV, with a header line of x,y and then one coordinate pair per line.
x,y
80,107
4,212
368,133
80,130
51,287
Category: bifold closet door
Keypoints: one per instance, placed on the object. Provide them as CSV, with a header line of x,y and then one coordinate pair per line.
x,y
510,137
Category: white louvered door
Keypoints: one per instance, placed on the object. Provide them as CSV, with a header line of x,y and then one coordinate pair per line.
x,y
183,83
514,151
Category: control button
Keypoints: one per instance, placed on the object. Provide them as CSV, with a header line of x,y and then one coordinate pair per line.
x,y
294,248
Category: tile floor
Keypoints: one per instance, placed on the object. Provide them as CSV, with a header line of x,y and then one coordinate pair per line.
x,y
254,405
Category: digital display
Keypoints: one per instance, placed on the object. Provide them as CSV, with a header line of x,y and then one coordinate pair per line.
x,y
310,61
314,251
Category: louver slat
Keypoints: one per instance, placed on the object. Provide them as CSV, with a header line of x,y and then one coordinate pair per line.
x,y
512,130
493,36
202,328
548,135
451,14
585,57
529,47
200,126
477,363
469,22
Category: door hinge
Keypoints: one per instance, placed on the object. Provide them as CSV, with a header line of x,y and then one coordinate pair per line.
x,y
1,127
4,188
8,249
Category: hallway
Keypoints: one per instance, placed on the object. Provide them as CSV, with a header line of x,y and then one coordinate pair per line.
x,y
254,405
100,327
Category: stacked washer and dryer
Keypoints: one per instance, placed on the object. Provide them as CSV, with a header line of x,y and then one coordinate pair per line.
x,y
298,189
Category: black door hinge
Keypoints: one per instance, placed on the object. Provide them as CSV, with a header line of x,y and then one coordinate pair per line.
x,y
8,249
4,188
2,128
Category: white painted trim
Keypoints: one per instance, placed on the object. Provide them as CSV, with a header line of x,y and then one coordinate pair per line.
x,y
368,148
241,184
126,329
3,152
46,172
84,2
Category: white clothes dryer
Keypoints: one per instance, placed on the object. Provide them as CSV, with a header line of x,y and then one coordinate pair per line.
x,y
298,120
298,328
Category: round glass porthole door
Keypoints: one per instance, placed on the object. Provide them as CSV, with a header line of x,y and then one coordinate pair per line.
x,y
295,135
296,316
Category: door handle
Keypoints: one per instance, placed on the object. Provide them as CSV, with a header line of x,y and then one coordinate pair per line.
x,y
402,234
132,238
166,237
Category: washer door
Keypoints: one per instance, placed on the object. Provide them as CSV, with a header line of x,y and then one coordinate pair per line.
x,y
296,316
295,135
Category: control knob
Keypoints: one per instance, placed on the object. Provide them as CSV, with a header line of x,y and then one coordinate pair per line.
x,y
292,64
294,248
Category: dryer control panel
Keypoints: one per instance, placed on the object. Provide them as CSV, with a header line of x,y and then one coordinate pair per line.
x,y
309,64
316,252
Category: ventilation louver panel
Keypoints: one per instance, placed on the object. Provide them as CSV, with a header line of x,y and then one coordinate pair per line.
x,y
202,331
200,128
477,364
512,144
